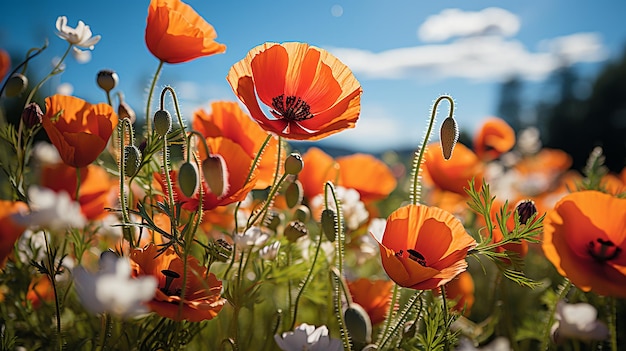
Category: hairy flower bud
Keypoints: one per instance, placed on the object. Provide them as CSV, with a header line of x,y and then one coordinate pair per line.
x,y
16,85
302,213
293,164
294,194
525,209
329,224
188,178
216,175
162,122
107,80
295,230
132,160
448,135
125,111
32,114
358,323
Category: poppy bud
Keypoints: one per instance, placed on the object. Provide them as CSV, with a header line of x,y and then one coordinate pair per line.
x,y
302,214
448,136
216,175
295,230
162,122
294,194
329,224
125,111
272,220
525,209
32,114
132,160
188,178
358,323
221,250
16,85
107,80
293,164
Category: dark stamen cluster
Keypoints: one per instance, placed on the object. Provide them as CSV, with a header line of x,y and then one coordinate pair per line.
x,y
291,108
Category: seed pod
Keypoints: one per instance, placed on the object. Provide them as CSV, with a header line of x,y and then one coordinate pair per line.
x,y
107,80
295,230
188,178
358,323
302,214
162,122
216,175
32,114
16,85
448,135
329,224
293,164
294,194
132,160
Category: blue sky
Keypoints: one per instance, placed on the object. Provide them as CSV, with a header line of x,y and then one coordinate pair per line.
x,y
405,53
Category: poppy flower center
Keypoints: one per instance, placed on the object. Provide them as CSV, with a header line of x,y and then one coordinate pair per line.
x,y
414,255
603,250
169,277
291,108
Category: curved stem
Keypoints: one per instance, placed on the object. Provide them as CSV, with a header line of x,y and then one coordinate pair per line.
x,y
25,62
125,123
178,116
545,340
150,93
417,164
56,70
306,281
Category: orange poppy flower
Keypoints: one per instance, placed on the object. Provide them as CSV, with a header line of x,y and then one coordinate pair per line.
x,y
97,191
228,120
5,63
494,138
310,94
202,299
584,237
424,247
40,290
319,167
176,33
453,174
9,230
238,164
78,129
368,175
373,295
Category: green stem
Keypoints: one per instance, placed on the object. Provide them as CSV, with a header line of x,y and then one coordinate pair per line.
x,y
417,164
391,312
56,70
150,93
612,322
178,116
51,271
77,193
306,281
445,317
400,320
125,123
562,291
29,57
105,324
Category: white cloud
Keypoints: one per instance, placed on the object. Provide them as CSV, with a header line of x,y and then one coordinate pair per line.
x,y
455,22
375,130
482,58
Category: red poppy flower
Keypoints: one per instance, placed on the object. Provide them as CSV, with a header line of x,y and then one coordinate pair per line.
x,y
494,138
202,299
319,168
79,130
226,119
424,247
176,33
455,173
95,193
310,94
357,171
584,237
9,230
373,295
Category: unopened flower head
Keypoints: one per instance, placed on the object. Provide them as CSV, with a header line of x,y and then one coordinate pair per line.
x,y
80,36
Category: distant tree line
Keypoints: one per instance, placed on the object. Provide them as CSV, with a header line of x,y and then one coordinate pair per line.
x,y
571,122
